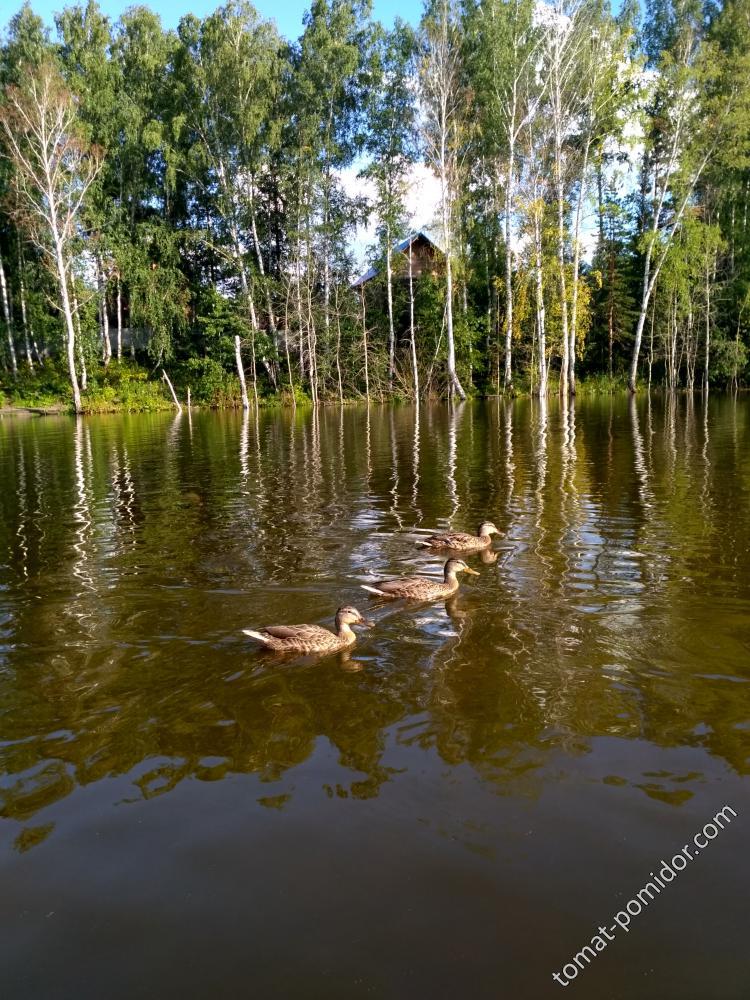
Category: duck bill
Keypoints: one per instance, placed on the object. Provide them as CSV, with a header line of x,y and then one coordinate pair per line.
x,y
366,623
471,572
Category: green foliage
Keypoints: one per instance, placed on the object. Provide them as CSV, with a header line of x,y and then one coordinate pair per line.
x,y
124,388
217,321
729,364
118,388
225,207
46,385
209,382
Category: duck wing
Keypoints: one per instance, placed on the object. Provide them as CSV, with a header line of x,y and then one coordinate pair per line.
x,y
306,633
404,583
453,540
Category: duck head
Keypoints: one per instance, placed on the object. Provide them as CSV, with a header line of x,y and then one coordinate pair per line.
x,y
454,566
350,616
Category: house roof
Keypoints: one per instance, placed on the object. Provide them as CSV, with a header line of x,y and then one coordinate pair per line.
x,y
399,247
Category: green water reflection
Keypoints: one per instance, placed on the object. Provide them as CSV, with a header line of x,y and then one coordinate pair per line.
x,y
600,662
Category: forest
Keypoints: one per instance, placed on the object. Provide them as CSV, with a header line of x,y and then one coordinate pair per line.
x,y
183,211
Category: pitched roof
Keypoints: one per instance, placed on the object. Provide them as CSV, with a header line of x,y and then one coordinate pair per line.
x,y
399,247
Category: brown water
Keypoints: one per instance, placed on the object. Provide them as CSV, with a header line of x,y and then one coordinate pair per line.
x,y
451,809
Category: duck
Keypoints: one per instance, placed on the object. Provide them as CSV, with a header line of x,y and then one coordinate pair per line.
x,y
311,638
461,541
420,588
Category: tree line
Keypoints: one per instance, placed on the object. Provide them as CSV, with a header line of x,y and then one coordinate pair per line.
x,y
189,200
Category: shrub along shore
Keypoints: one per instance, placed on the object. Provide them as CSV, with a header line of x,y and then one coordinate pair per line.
x,y
126,387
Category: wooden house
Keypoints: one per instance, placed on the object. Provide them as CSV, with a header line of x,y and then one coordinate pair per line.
x,y
427,257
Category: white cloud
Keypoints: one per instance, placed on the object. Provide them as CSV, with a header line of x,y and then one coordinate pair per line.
x,y
422,201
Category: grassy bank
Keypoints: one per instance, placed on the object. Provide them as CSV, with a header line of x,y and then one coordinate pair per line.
x,y
125,387
121,387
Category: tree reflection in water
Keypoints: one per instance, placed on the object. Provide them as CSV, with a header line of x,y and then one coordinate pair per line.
x,y
135,548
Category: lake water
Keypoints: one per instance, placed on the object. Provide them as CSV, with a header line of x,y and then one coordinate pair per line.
x,y
449,810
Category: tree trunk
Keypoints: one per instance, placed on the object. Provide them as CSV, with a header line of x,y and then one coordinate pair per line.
x,y
707,354
540,309
558,125
364,347
412,332
562,283
119,319
651,348
27,333
79,345
241,372
171,389
286,349
62,279
508,375
645,297
8,320
453,376
576,261
104,315
312,340
259,258
391,330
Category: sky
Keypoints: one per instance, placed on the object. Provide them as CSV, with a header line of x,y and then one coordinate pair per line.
x,y
286,13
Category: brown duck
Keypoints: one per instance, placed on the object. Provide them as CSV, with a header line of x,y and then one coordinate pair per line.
x,y
420,588
311,638
461,541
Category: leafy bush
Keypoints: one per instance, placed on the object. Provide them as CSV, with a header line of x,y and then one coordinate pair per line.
x,y
123,386
601,385
210,384
47,385
729,360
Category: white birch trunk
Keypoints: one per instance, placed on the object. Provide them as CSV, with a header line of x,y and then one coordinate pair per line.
x,y
562,283
650,274
27,332
576,262
104,315
241,372
62,278
540,308
79,345
508,375
412,332
171,389
8,320
119,319
391,329
364,348
259,258
707,352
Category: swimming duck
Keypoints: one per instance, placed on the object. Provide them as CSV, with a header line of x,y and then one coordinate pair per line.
x,y
461,541
311,638
420,588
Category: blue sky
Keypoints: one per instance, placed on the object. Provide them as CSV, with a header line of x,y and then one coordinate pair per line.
x,y
286,13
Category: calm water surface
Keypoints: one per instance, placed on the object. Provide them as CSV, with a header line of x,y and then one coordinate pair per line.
x,y
449,810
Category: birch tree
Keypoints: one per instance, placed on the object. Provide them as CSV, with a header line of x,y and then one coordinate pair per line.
x,y
683,133
444,103
565,42
228,70
54,168
605,107
391,144
505,42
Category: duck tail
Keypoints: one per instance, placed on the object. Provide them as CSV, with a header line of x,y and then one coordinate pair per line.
x,y
256,635
373,590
